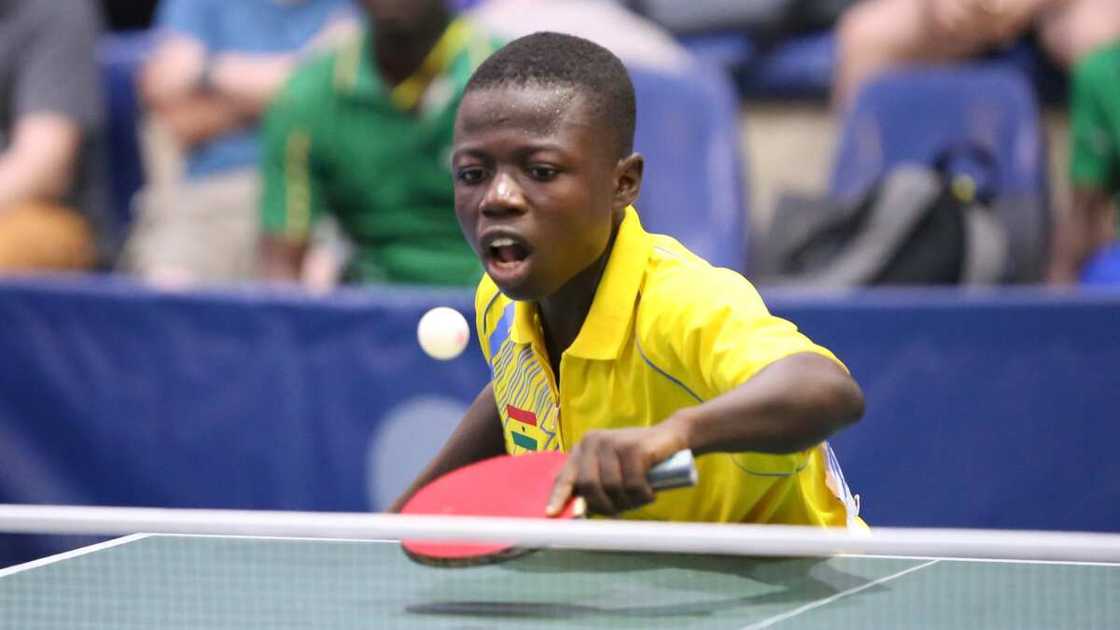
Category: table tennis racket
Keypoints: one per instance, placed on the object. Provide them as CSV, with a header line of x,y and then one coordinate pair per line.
x,y
515,486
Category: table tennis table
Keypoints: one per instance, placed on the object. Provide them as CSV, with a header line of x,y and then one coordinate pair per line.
x,y
203,582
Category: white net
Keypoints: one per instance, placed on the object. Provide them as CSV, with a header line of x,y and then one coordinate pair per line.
x,y
331,571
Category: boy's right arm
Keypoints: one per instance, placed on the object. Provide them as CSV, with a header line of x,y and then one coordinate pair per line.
x,y
478,437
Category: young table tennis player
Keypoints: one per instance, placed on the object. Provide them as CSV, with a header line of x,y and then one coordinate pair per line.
x,y
615,345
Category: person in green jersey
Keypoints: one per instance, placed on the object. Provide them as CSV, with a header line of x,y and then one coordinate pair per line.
x,y
364,135
1089,224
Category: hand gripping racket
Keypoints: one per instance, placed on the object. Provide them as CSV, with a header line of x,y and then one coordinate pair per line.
x,y
516,486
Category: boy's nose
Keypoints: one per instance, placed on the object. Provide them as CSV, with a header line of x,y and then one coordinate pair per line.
x,y
503,196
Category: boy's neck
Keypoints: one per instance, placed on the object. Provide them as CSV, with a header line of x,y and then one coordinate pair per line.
x,y
563,313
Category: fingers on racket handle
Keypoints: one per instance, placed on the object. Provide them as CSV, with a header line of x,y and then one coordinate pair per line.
x,y
679,471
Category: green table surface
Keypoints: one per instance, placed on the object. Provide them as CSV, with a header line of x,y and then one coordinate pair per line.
x,y
181,582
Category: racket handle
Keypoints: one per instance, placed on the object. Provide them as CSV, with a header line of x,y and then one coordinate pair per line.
x,y
679,471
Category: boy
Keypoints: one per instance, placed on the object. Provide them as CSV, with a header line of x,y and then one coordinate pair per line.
x,y
619,346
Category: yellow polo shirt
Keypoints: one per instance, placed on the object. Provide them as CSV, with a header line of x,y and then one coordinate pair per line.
x,y
666,330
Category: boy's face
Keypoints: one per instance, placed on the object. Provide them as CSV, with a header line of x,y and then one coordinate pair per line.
x,y
538,186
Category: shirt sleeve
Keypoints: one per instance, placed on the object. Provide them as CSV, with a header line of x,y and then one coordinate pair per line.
x,y
293,188
1093,149
58,71
718,333
192,18
710,332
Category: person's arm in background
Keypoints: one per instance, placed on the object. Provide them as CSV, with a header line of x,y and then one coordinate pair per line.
x,y
251,81
202,93
172,80
281,259
1004,20
38,163
292,198
56,97
1086,225
1074,29
874,36
478,437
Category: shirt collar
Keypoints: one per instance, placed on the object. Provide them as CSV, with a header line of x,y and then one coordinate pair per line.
x,y
605,329
356,74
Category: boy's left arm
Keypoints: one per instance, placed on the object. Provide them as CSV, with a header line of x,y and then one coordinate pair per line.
x,y
789,406
762,385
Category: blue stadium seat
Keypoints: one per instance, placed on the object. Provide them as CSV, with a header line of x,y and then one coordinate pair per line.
x,y
729,51
800,67
693,189
120,55
915,115
1103,268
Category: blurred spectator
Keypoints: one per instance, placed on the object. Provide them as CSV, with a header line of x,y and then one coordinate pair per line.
x,y
216,68
1089,224
877,35
364,135
51,118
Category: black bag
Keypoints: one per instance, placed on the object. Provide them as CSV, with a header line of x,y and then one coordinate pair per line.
x,y
918,225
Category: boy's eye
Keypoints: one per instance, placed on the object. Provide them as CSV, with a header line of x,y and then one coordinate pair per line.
x,y
542,173
470,175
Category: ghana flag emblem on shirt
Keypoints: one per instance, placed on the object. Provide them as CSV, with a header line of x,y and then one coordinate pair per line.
x,y
522,427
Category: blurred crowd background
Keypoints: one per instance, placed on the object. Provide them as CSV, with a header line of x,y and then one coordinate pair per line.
x,y
806,142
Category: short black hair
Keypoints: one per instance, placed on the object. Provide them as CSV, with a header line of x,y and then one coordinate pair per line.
x,y
555,59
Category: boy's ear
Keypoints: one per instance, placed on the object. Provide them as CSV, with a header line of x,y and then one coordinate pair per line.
x,y
628,180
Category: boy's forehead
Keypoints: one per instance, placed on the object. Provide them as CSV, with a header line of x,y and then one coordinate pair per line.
x,y
533,108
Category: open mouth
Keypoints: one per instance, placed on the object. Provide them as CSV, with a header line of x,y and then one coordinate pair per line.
x,y
506,256
507,251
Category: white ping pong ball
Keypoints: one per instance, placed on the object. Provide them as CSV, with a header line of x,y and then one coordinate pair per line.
x,y
443,333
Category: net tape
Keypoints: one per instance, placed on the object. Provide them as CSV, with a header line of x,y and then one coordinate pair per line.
x,y
594,534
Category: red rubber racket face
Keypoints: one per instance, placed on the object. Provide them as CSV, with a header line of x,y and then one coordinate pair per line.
x,y
516,486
